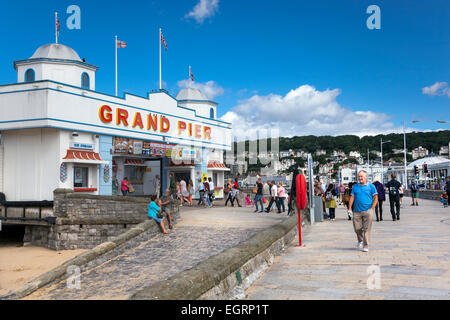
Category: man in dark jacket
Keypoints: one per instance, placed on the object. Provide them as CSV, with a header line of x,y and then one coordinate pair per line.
x,y
393,187
381,197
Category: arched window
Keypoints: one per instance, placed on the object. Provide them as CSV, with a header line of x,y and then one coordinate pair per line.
x,y
85,81
29,75
211,113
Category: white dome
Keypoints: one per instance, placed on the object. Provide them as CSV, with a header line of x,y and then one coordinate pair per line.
x,y
428,160
190,94
56,51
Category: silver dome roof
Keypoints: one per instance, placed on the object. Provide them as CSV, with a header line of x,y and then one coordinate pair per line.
x,y
56,51
191,94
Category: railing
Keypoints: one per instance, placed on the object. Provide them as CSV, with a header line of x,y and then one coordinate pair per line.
x,y
24,205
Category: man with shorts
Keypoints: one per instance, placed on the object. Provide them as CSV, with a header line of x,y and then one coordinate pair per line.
x,y
364,197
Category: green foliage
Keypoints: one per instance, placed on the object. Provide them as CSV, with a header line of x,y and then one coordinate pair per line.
x,y
430,140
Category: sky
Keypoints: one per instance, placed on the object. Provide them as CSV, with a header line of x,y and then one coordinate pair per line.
x,y
294,67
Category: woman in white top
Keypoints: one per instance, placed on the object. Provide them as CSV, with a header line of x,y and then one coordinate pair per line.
x,y
184,192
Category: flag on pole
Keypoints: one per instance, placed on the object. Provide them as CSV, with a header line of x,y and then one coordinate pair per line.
x,y
57,27
163,41
121,44
191,75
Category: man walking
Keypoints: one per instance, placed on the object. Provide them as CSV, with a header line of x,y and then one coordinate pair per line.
x,y
259,195
364,196
393,187
273,197
414,193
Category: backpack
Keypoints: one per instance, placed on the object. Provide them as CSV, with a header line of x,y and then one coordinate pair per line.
x,y
206,184
413,187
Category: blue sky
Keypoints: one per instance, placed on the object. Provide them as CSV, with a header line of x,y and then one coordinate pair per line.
x,y
307,67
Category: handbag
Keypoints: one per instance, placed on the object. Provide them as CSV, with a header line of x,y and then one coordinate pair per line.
x,y
130,188
226,190
255,190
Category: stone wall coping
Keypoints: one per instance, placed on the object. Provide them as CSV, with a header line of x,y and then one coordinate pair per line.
x,y
191,284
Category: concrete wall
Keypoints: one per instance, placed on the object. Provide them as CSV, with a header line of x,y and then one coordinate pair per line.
x,y
428,194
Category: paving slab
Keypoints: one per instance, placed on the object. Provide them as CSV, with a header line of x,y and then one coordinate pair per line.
x,y
412,256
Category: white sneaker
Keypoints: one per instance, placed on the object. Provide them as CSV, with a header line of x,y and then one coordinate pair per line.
x,y
365,250
360,245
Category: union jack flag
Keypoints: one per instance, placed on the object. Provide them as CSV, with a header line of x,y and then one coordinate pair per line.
x,y
57,25
163,41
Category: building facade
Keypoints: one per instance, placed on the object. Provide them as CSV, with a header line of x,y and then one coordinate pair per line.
x,y
57,131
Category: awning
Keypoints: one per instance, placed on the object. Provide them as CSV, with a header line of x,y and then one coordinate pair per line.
x,y
217,166
81,156
135,162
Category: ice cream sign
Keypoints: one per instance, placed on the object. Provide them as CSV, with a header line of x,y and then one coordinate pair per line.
x,y
152,122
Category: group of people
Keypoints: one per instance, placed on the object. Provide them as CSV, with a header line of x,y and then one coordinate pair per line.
x,y
277,194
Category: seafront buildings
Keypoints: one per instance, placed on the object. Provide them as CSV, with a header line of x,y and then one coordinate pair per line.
x,y
57,131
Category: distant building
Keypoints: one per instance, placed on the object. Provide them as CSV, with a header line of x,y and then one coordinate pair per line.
x,y
355,154
443,151
419,152
320,152
338,153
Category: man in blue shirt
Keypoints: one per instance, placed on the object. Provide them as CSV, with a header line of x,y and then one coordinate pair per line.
x,y
365,197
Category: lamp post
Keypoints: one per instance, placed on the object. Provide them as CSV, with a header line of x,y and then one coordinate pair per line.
x,y
382,171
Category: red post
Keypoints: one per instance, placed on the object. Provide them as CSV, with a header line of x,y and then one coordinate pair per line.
x,y
301,203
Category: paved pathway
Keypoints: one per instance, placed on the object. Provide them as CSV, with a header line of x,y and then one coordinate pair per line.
x,y
199,234
413,255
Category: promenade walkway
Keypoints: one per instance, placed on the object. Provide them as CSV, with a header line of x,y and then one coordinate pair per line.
x,y
199,234
413,256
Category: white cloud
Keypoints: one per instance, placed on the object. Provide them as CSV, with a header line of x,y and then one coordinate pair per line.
x,y
203,9
437,89
210,89
304,111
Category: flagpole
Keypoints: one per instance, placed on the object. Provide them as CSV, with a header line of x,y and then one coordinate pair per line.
x,y
56,27
115,47
160,78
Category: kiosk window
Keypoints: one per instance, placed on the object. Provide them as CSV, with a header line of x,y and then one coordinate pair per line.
x,y
80,177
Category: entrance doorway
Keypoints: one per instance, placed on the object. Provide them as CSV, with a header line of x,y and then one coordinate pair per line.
x,y
153,169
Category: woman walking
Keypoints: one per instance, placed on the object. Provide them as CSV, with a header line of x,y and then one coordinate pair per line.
x,y
190,191
229,187
330,198
381,197
184,191
125,186
235,194
281,197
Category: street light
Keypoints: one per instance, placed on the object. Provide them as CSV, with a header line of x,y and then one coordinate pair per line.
x,y
382,172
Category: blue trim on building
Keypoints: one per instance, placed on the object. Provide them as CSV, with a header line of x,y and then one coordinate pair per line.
x,y
117,103
113,135
108,95
84,64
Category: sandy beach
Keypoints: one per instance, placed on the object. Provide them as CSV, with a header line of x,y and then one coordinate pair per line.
x,y
18,265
